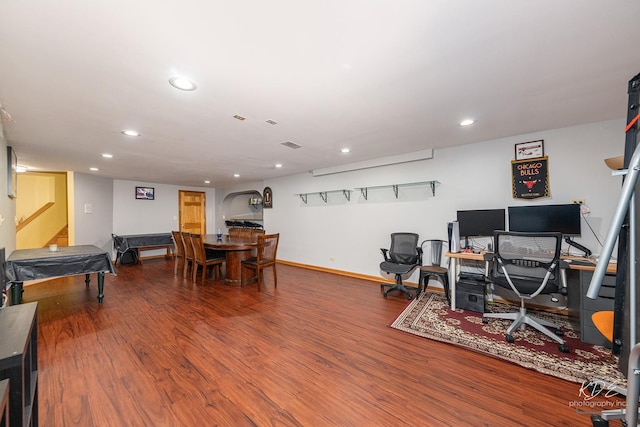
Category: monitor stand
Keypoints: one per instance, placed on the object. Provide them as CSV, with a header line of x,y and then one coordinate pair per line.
x,y
466,242
586,251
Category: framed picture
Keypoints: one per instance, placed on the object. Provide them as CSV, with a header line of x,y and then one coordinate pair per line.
x,y
12,175
267,198
530,178
145,193
530,150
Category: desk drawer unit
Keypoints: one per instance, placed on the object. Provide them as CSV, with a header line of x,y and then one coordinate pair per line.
x,y
605,301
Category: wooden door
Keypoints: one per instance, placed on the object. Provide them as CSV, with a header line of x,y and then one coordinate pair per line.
x,y
192,211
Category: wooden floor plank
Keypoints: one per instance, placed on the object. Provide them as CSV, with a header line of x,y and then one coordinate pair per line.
x,y
161,351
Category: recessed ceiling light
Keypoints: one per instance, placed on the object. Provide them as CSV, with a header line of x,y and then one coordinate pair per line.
x,y
236,175
272,122
130,132
21,169
239,117
182,83
345,150
94,169
466,122
278,165
107,155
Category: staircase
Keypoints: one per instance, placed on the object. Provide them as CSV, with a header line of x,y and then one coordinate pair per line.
x,y
61,238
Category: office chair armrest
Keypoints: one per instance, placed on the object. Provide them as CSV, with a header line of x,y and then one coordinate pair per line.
x,y
420,252
384,253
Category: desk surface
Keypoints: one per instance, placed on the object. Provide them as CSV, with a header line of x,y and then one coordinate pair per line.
x,y
41,263
574,262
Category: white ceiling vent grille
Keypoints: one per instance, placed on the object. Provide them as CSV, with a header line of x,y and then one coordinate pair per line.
x,y
291,145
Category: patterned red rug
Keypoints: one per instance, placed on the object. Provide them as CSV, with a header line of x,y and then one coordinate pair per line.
x,y
429,316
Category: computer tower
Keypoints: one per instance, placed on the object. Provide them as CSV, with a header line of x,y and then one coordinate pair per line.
x,y
453,231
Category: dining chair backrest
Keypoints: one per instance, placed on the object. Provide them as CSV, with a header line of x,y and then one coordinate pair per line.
x,y
198,248
234,232
267,248
245,232
257,231
186,237
178,243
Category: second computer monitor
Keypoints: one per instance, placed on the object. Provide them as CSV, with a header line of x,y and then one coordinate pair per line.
x,y
563,219
480,222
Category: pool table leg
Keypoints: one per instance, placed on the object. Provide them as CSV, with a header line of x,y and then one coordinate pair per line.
x,y
100,286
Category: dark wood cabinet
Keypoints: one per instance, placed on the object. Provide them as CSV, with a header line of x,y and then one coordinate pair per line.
x,y
19,362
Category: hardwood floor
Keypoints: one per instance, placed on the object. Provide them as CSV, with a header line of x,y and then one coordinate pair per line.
x,y
316,351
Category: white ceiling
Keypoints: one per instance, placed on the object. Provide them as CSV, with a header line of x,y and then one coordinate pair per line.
x,y
382,77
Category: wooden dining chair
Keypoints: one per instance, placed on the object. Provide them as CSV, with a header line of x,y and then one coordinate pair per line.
x,y
245,232
265,258
188,254
179,259
257,231
204,259
234,232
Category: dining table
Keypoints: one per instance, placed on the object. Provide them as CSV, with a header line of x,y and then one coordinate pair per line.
x,y
236,250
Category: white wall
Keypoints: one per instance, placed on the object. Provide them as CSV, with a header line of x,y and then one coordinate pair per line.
x,y
475,176
131,216
92,226
8,205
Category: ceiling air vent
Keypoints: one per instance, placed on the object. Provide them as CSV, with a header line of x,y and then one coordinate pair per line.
x,y
291,144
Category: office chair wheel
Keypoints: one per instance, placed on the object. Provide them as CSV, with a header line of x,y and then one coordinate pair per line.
x,y
563,348
598,421
510,338
559,332
485,320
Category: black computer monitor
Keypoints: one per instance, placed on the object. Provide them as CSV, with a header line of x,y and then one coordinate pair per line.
x,y
563,219
480,223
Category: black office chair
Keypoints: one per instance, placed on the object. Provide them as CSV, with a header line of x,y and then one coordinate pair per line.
x,y
433,266
402,257
528,264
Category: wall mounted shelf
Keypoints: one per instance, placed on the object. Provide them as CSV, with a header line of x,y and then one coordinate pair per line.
x,y
365,190
324,195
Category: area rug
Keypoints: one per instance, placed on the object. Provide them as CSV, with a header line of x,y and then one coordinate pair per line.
x,y
429,316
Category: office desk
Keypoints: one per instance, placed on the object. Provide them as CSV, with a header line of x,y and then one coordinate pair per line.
x,y
236,249
573,262
31,264
145,242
